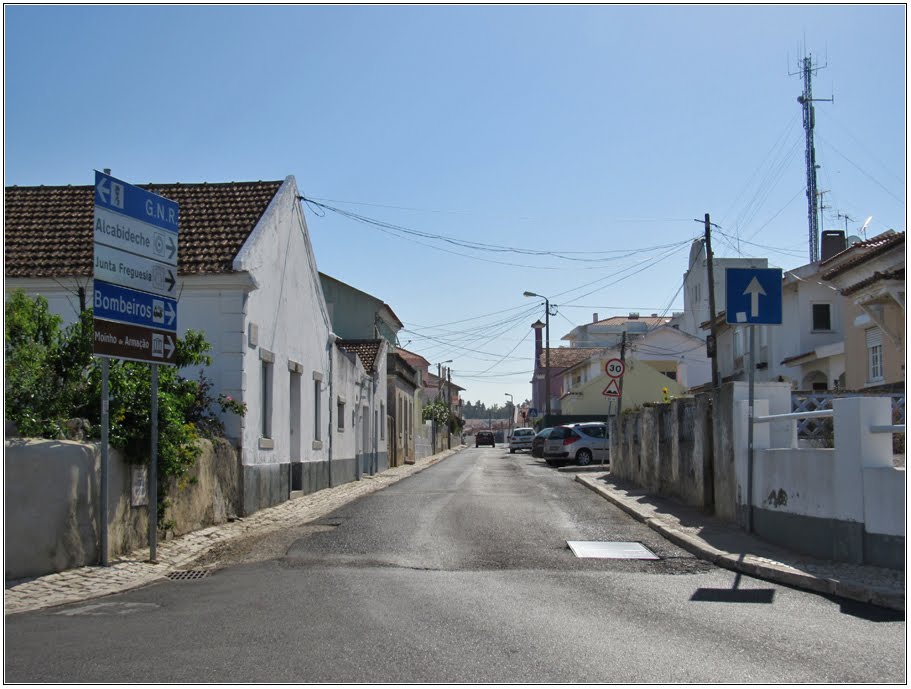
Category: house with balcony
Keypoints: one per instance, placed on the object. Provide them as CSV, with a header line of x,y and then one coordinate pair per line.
x,y
870,277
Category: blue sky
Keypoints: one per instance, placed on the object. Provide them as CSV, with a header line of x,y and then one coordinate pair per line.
x,y
595,133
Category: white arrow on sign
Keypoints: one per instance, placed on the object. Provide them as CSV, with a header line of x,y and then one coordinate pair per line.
x,y
754,289
170,313
169,345
103,190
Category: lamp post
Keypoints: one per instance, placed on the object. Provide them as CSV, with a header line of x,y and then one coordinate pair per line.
x,y
511,412
546,353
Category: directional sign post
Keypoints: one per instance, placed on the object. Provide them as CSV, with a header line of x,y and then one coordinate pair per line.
x,y
753,297
136,243
134,304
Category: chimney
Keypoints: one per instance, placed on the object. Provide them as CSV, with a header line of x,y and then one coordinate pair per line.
x,y
538,326
594,318
633,316
833,242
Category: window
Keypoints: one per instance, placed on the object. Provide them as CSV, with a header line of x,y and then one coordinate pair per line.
x,y
822,317
340,407
266,402
317,407
874,338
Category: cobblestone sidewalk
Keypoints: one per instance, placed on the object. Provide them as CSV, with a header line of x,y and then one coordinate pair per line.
x,y
134,570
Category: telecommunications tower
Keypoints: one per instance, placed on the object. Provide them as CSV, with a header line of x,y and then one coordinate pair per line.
x,y
806,101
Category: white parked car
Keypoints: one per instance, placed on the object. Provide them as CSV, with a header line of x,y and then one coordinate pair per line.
x,y
521,439
581,443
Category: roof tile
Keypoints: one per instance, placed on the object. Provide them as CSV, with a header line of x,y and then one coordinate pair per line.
x,y
48,230
366,351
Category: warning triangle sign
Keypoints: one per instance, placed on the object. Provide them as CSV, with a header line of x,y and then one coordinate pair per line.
x,y
612,389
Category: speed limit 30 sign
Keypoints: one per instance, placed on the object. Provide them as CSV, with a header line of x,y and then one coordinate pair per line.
x,y
614,368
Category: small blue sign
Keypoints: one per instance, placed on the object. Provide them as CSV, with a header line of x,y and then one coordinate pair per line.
x,y
113,303
753,295
532,413
130,200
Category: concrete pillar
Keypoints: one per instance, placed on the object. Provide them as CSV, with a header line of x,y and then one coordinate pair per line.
x,y
856,447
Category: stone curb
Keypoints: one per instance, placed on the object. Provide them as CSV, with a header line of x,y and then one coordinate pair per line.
x,y
132,571
748,564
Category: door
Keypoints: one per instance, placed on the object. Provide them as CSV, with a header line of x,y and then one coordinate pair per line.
x,y
294,432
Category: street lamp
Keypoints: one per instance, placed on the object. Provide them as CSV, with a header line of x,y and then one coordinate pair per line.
x,y
546,352
512,412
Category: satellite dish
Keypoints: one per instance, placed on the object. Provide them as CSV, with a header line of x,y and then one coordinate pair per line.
x,y
853,239
863,230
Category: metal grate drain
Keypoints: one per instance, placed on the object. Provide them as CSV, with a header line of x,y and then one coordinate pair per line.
x,y
613,550
188,574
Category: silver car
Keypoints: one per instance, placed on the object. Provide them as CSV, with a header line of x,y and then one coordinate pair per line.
x,y
521,439
581,443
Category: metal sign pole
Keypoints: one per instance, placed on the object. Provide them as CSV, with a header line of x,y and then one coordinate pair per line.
x,y
750,430
105,423
153,472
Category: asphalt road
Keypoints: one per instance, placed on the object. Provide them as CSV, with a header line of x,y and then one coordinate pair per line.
x,y
460,573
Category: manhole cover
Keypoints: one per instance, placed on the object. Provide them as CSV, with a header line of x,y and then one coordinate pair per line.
x,y
188,574
613,550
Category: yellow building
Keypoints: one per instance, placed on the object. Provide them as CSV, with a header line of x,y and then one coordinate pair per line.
x,y
641,382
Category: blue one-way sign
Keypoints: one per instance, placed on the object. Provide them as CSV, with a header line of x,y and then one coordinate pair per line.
x,y
753,295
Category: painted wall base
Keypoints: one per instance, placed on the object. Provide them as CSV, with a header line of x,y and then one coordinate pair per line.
x,y
829,539
267,485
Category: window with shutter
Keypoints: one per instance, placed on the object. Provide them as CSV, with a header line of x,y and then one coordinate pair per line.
x,y
874,338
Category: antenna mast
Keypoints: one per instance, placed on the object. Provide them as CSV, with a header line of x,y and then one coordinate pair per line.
x,y
806,101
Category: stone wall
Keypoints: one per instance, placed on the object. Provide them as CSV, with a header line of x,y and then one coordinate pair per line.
x,y
667,449
52,495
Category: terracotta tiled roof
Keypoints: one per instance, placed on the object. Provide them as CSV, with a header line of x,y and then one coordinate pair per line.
x,y
862,252
873,279
565,357
415,360
366,351
48,230
620,320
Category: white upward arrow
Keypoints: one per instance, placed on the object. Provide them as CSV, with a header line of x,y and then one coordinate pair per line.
x,y
754,289
103,191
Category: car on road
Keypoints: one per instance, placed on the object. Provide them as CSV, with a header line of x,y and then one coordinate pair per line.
x,y
581,443
521,439
537,445
484,438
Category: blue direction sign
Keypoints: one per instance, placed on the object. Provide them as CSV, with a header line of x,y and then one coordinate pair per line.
x,y
113,303
133,202
135,273
753,295
532,413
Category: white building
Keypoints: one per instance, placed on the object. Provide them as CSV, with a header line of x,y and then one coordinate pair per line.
x,y
248,280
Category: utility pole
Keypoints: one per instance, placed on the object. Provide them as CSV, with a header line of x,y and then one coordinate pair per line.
x,y
449,406
710,265
620,384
